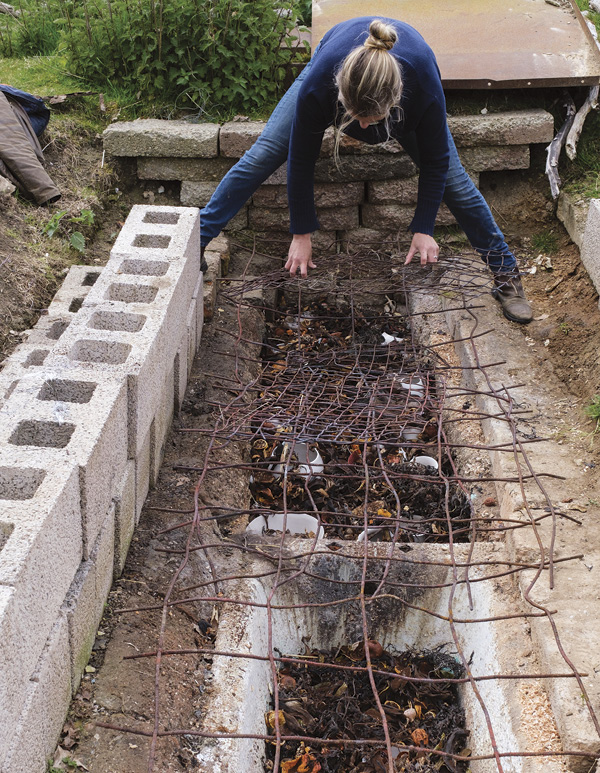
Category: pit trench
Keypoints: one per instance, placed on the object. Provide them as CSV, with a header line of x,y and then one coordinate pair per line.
x,y
335,587
253,577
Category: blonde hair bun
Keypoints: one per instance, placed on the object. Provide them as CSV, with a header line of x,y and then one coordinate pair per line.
x,y
382,36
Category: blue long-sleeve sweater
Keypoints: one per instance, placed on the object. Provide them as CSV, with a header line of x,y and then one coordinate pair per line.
x,y
422,110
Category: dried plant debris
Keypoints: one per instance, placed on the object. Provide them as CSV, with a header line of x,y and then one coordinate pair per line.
x,y
348,429
321,702
405,500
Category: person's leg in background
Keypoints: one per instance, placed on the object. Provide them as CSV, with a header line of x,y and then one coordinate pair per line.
x,y
267,154
473,214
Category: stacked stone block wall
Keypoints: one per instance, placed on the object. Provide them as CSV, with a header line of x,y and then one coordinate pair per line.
x,y
85,406
370,194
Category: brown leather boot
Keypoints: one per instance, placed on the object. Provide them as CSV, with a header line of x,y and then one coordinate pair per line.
x,y
508,290
203,263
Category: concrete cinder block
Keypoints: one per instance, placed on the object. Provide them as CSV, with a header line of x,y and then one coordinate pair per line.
x,y
154,137
41,521
76,285
330,218
573,213
358,238
389,216
367,167
350,146
163,420
518,127
125,517
239,222
355,168
199,312
192,334
155,233
495,158
326,195
74,417
44,706
210,282
192,169
84,603
26,358
397,191
48,329
197,194
238,137
181,368
132,319
143,470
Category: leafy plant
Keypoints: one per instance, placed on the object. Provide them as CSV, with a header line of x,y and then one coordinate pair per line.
x,y
593,411
77,241
52,225
215,56
305,12
85,218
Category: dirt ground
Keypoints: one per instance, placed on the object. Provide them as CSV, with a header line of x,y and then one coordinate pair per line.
x,y
565,333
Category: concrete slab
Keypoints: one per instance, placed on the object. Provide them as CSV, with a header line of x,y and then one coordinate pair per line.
x,y
194,169
571,600
572,212
153,137
590,247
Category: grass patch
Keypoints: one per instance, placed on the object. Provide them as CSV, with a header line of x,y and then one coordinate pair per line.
x,y
593,411
44,76
545,242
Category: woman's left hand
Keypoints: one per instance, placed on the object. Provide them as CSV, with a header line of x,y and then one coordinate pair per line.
x,y
427,248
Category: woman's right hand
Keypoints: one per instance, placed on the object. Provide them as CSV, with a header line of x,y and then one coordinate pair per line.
x,y
300,255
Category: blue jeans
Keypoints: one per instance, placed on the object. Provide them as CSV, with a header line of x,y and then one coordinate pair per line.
x,y
270,151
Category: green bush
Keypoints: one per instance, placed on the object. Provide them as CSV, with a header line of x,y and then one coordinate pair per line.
x,y
32,33
220,56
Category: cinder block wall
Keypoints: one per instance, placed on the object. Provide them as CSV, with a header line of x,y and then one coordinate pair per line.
x,y
85,406
371,194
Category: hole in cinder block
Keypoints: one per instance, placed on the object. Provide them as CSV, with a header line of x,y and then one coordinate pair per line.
x,y
131,293
90,279
144,267
45,434
57,328
75,305
6,529
36,357
20,483
117,320
63,390
152,241
109,352
166,218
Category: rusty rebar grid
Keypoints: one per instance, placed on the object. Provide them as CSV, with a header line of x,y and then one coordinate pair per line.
x,y
369,407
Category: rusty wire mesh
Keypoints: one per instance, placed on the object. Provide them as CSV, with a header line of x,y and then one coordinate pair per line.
x,y
333,422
